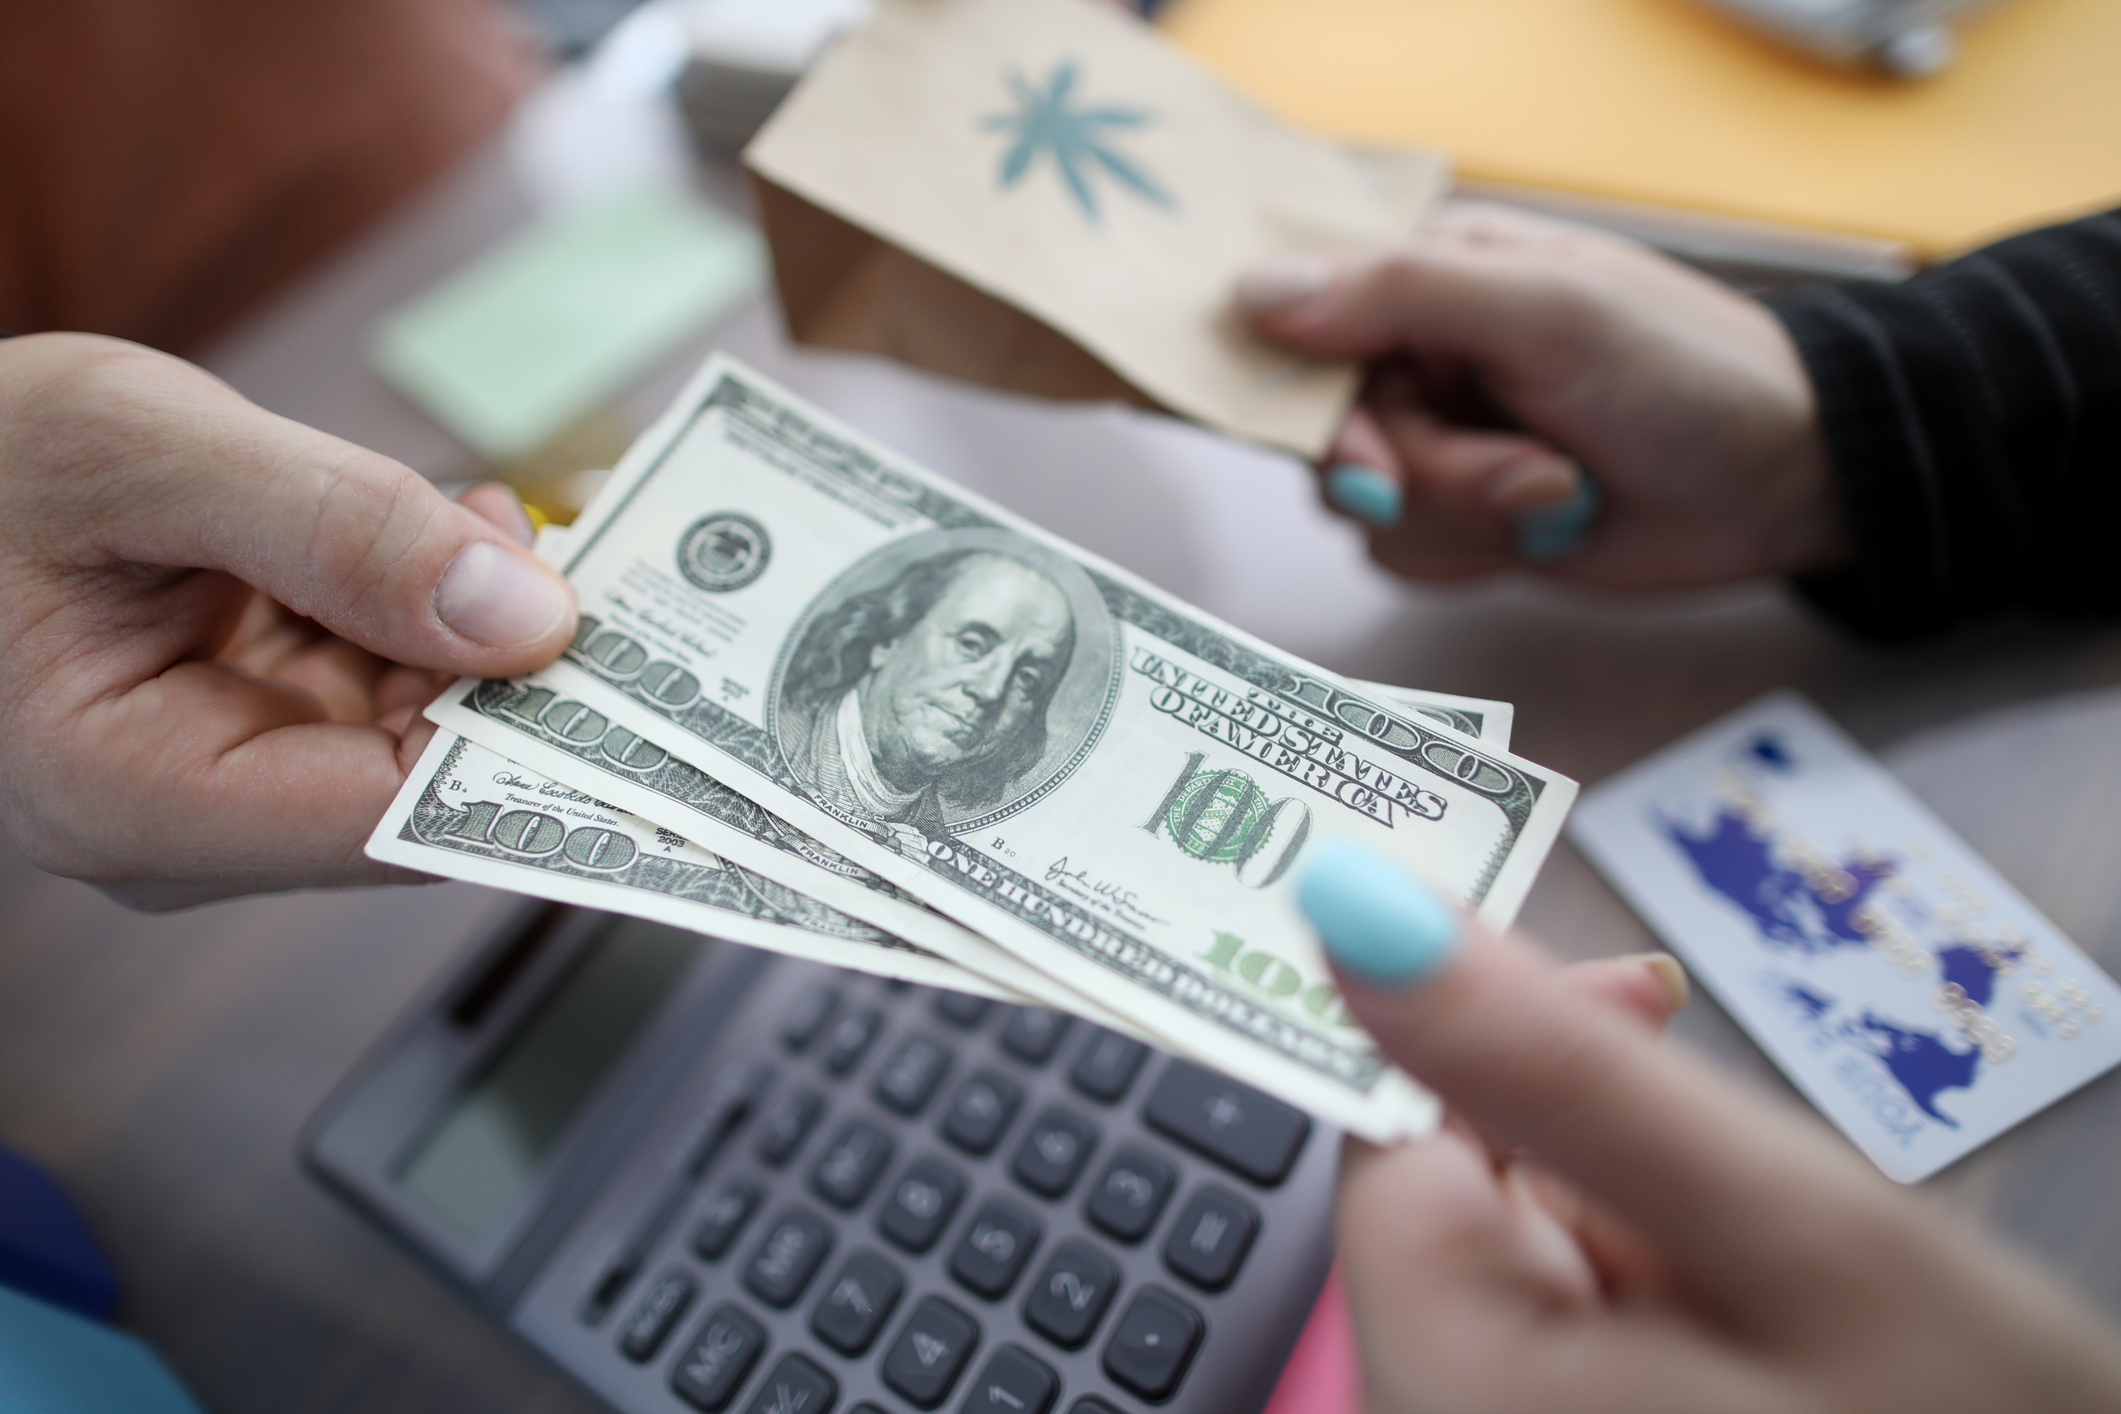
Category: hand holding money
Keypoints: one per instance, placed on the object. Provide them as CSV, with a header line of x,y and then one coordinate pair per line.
x,y
220,626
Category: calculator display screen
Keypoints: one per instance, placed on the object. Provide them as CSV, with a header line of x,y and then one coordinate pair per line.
x,y
476,1163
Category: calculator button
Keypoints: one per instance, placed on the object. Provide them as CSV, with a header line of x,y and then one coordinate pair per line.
x,y
1235,1125
788,1258
715,1364
961,1009
1034,1034
910,1077
981,1110
1153,1343
852,1163
1014,1382
1107,1065
1071,1294
857,1303
994,1249
851,1039
789,1125
1091,1404
796,1386
931,1352
921,1204
723,1219
865,1407
1209,1241
1130,1194
1054,1151
649,1325
807,1017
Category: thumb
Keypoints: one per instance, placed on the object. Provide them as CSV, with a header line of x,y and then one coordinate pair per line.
x,y
1745,1200
352,539
1444,297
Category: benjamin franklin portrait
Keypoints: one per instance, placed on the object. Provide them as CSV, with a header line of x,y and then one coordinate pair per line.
x,y
932,684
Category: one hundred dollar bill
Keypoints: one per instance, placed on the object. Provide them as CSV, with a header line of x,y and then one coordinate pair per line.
x,y
469,813
1112,785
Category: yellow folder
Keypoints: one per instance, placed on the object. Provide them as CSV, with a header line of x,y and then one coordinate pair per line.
x,y
1667,103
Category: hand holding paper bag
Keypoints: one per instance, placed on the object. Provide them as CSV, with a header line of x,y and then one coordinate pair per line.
x,y
1043,196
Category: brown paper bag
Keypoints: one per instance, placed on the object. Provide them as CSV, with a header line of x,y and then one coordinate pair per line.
x,y
1045,196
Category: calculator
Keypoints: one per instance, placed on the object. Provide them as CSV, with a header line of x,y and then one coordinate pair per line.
x,y
698,1176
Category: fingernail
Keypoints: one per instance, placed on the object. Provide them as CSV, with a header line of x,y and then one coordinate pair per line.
x,y
500,599
1283,280
1533,480
1555,531
1376,920
1669,972
1364,492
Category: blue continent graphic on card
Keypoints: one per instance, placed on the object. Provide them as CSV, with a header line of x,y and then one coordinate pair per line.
x,y
1892,973
1813,907
1051,122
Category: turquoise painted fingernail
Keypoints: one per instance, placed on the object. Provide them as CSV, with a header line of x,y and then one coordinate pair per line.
x,y
1364,492
1559,530
1375,919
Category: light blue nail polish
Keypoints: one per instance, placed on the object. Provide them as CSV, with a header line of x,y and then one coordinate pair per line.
x,y
1559,530
1376,920
1364,492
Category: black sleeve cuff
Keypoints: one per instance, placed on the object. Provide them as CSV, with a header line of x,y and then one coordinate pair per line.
x,y
1972,417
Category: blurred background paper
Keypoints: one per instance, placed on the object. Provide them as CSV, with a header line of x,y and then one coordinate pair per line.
x,y
1673,106
519,346
1045,196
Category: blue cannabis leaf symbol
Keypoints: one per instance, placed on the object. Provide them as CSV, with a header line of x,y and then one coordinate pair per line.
x,y
1073,137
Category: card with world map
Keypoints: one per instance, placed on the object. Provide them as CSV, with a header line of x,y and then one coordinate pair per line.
x,y
1905,988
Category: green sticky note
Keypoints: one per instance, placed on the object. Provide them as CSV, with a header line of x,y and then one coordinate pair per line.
x,y
522,343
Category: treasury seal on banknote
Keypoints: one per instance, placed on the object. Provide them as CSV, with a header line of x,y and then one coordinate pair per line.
x,y
724,551
946,681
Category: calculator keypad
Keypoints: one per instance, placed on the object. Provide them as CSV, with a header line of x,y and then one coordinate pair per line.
x,y
789,1125
1071,1294
1153,1343
1014,1381
1106,1066
711,1369
983,1107
931,1352
852,1164
724,1217
1033,1034
649,1324
1054,1151
995,1248
1013,1200
857,1303
921,1204
1251,1134
912,1074
851,1039
788,1258
1209,1241
796,1383
1130,1194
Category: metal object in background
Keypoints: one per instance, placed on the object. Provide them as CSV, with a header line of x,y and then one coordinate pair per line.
x,y
1907,38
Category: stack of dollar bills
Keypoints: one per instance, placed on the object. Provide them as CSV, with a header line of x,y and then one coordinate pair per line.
x,y
824,702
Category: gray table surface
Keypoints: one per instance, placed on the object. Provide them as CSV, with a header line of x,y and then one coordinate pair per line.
x,y
163,1065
